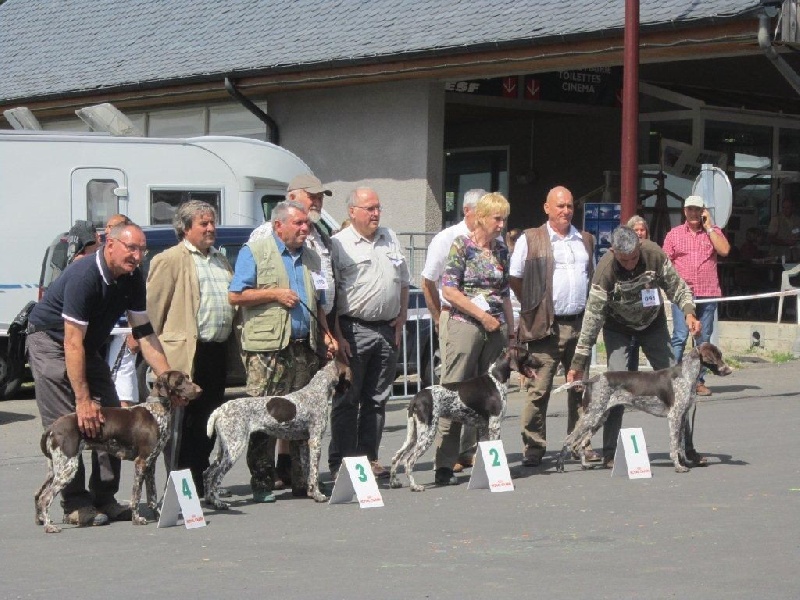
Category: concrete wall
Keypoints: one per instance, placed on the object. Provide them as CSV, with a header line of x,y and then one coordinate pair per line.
x,y
387,136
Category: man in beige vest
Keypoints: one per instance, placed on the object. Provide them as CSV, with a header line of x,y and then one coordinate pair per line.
x,y
550,271
280,284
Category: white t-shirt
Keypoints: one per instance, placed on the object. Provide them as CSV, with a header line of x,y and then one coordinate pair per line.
x,y
438,250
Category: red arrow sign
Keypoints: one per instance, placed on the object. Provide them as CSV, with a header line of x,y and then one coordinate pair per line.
x,y
510,87
533,89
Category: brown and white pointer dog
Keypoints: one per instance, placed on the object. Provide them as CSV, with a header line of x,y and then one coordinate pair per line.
x,y
299,416
665,393
138,433
480,401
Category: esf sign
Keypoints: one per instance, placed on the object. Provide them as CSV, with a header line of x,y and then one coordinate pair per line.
x,y
463,87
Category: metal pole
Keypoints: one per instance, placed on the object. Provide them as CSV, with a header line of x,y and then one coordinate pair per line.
x,y
629,169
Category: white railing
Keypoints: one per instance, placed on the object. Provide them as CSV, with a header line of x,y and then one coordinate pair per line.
x,y
417,363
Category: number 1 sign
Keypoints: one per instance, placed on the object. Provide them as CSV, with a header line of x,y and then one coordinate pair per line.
x,y
633,460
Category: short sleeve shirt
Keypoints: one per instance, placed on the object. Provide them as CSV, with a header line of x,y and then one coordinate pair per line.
x,y
478,273
87,294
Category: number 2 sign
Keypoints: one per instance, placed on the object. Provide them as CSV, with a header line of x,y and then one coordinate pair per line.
x,y
491,468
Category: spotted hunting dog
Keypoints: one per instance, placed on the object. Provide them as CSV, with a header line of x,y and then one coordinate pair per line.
x,y
480,402
666,393
138,433
299,416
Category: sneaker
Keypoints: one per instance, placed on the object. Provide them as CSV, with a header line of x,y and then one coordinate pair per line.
x,y
85,516
263,497
444,476
378,470
702,390
116,511
464,463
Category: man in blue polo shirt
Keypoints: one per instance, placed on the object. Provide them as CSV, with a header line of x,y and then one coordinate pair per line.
x,y
280,284
67,329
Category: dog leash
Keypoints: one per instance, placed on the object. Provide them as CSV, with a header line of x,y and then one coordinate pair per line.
x,y
316,318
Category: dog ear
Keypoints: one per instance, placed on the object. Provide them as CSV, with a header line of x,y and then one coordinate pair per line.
x,y
343,384
160,387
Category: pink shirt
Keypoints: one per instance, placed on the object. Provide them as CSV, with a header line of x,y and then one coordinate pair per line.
x,y
695,259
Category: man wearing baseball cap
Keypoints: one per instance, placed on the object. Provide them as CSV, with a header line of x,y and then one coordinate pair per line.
x,y
308,190
693,247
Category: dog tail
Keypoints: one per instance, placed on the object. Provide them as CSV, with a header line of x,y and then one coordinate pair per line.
x,y
43,443
212,422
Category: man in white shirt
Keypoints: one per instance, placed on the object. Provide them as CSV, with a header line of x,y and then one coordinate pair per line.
x,y
550,271
435,262
372,280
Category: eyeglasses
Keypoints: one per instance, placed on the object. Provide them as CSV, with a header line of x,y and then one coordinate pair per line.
x,y
132,248
371,209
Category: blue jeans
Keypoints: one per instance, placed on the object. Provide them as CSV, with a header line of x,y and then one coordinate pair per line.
x,y
680,332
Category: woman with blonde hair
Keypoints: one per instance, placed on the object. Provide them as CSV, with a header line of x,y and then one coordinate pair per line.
x,y
480,321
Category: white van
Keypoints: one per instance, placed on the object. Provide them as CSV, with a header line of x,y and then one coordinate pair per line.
x,y
49,180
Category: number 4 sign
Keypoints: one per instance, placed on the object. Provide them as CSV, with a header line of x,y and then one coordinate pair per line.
x,y
491,468
180,497
632,461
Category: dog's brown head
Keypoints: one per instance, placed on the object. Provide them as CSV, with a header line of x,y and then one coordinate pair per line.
x,y
711,358
345,375
175,388
523,362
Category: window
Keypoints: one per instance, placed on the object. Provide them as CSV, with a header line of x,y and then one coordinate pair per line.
x,y
164,203
101,203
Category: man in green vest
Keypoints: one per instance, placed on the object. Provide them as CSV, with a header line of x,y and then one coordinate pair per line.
x,y
279,283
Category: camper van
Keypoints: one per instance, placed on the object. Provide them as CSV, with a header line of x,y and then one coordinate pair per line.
x,y
49,180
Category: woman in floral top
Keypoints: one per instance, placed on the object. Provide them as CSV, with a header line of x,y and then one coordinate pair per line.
x,y
475,284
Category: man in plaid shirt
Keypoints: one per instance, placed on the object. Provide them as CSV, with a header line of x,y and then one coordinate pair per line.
x,y
693,248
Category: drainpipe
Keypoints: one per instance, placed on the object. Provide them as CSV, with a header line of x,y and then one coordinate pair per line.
x,y
765,43
272,127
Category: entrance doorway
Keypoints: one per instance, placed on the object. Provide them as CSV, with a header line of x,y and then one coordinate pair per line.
x,y
470,168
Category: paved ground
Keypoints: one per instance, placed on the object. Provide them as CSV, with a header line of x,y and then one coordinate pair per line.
x,y
728,531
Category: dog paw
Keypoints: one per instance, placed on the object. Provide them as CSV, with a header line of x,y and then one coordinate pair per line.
x,y
395,484
137,520
52,528
217,504
682,469
417,488
320,497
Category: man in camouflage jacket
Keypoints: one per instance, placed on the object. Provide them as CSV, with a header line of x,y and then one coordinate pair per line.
x,y
624,301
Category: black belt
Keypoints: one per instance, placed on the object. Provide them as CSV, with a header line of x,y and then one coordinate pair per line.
x,y
37,328
302,340
569,318
365,323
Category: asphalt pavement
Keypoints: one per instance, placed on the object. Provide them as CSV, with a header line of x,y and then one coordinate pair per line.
x,y
729,531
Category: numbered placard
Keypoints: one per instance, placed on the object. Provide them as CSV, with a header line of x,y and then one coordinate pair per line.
x,y
631,459
491,468
356,479
180,497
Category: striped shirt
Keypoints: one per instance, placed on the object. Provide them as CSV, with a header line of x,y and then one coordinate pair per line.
x,y
215,314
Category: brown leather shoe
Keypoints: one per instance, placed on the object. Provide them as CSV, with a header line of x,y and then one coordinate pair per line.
x,y
589,455
608,463
531,461
702,390
697,458
378,470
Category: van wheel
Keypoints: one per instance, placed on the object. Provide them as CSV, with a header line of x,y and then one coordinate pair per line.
x,y
431,374
144,377
10,378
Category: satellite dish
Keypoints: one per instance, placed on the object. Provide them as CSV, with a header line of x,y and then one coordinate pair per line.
x,y
715,188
